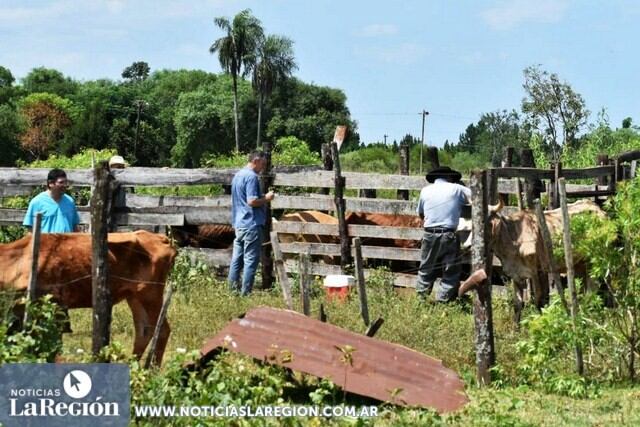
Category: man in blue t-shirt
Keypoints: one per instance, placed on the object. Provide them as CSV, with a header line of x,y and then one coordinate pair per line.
x,y
439,205
248,216
59,212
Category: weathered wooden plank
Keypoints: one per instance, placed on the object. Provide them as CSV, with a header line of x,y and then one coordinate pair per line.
x,y
629,156
332,249
530,173
590,193
38,177
320,269
15,216
16,190
382,232
584,173
131,200
211,257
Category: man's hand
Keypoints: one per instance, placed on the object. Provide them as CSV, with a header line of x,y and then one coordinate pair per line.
x,y
269,196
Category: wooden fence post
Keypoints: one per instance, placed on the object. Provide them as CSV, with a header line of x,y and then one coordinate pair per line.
x,y
101,293
568,256
481,259
519,193
507,161
35,255
340,182
266,179
554,198
362,289
281,270
432,158
531,190
327,162
404,169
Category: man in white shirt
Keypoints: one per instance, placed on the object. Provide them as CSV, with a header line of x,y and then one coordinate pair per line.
x,y
440,205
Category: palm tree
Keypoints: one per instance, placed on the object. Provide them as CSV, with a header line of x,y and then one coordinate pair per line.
x,y
274,63
236,52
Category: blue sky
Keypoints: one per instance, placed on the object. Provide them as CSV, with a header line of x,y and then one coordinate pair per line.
x,y
456,59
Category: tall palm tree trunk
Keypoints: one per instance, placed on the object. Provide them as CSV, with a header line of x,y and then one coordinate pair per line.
x,y
259,139
236,119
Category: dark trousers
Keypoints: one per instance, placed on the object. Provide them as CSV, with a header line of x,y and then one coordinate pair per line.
x,y
440,253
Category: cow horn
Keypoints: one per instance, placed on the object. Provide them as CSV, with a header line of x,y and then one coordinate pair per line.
x,y
496,208
472,282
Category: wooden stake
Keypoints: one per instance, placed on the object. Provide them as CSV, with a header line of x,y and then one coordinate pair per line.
x,y
568,256
281,271
404,170
33,278
266,179
340,182
305,283
548,244
362,290
151,356
371,330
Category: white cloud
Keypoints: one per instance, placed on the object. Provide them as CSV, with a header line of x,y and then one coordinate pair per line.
x,y
375,30
115,6
509,14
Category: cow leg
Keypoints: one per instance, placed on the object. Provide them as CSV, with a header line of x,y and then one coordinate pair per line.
x,y
140,325
152,301
541,287
518,300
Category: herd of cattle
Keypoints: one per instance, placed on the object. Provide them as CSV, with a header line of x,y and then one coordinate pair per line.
x,y
140,261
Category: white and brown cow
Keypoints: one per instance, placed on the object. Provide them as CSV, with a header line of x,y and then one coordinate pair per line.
x,y
516,240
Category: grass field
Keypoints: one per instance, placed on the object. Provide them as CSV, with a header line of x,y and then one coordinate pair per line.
x,y
202,306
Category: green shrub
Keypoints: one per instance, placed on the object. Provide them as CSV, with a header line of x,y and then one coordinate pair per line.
x,y
41,338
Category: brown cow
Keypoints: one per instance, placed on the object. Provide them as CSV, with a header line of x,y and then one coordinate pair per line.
x,y
517,241
212,236
139,263
307,216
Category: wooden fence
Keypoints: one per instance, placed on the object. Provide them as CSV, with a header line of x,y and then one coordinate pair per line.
x,y
133,210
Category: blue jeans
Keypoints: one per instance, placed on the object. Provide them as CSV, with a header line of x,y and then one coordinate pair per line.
x,y
246,253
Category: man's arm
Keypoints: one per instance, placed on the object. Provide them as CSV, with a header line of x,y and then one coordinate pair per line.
x,y
256,203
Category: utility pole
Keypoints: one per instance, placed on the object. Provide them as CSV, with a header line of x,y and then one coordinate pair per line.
x,y
385,139
424,115
140,104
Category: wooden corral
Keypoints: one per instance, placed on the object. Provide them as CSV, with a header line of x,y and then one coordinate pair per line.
x,y
132,211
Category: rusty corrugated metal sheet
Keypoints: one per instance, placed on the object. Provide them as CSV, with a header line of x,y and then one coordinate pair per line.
x,y
384,371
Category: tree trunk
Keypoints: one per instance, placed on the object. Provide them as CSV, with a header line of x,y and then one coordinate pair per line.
x,y
236,125
259,139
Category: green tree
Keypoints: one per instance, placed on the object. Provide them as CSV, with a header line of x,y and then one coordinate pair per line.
x,y
9,135
48,80
237,51
6,78
553,108
136,72
46,117
275,63
310,113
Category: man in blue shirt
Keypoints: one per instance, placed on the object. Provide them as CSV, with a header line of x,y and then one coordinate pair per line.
x,y
248,216
439,205
59,212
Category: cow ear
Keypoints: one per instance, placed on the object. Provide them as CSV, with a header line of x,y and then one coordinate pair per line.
x,y
494,209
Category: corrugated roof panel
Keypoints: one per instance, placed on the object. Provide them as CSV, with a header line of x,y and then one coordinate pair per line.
x,y
374,368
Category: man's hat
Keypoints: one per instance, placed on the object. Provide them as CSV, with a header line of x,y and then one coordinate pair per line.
x,y
117,161
444,172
